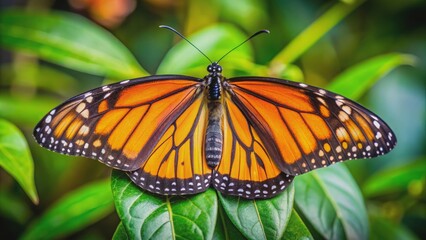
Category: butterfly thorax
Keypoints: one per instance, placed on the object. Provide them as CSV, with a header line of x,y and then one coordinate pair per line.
x,y
214,135
214,81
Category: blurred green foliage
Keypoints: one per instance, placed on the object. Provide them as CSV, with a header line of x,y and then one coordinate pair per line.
x,y
53,50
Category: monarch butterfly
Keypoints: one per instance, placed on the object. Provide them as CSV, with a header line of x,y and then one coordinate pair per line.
x,y
245,136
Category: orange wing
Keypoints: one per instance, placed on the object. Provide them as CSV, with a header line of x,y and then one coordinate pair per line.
x,y
246,169
119,124
177,165
304,127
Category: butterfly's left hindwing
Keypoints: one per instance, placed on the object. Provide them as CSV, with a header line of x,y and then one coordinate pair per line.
x,y
118,124
305,127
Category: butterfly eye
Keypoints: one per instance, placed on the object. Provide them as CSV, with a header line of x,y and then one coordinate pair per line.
x,y
218,68
209,68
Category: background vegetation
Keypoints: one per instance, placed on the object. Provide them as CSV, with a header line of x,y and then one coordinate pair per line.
x,y
370,51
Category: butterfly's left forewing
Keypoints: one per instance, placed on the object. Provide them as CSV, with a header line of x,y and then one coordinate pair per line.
x,y
308,127
118,124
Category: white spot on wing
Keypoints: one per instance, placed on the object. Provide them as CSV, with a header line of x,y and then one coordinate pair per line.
x,y
322,101
85,113
347,109
84,130
376,124
339,103
343,116
80,107
48,119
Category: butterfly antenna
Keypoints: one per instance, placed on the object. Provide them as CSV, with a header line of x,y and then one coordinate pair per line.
x,y
252,36
184,38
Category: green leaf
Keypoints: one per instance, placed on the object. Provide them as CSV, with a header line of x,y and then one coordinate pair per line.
x,y
147,216
355,81
260,219
254,9
332,202
13,208
68,40
44,77
15,158
73,212
214,41
314,32
400,178
225,229
296,228
120,233
382,228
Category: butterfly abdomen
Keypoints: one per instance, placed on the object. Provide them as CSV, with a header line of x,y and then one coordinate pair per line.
x,y
214,136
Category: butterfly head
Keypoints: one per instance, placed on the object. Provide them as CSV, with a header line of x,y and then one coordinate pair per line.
x,y
214,69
